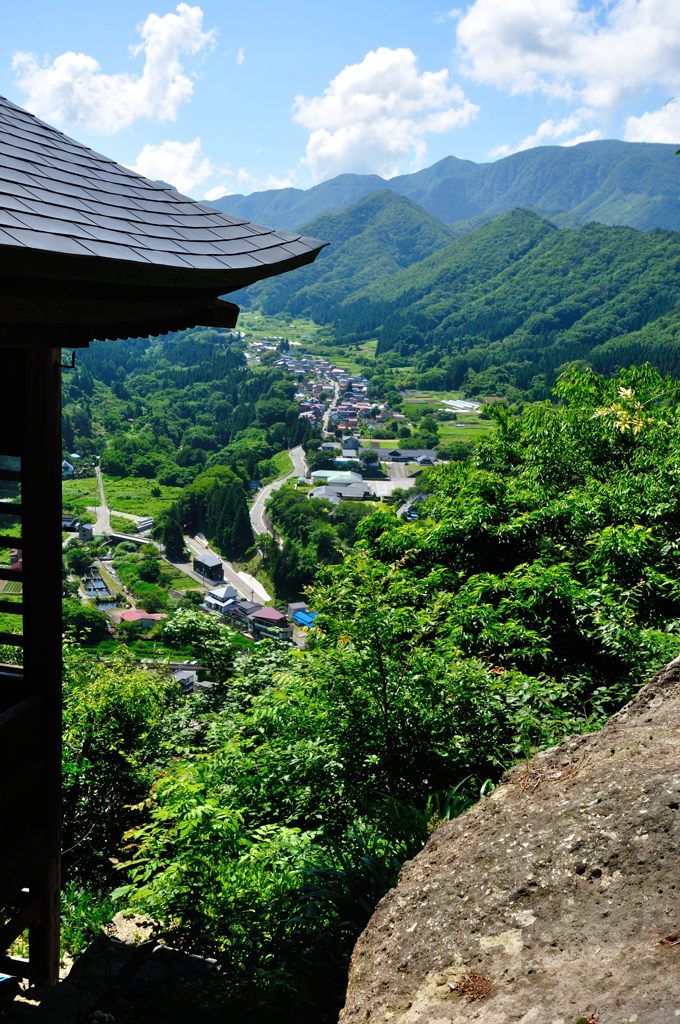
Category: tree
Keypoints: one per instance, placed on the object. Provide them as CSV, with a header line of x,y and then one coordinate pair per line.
x,y
110,714
78,558
84,621
169,532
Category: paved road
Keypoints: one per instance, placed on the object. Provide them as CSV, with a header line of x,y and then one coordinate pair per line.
x,y
326,416
258,519
103,523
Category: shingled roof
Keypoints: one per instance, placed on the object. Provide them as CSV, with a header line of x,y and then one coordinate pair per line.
x,y
69,217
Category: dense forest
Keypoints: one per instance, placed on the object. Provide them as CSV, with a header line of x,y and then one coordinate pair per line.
x,y
500,309
535,593
258,821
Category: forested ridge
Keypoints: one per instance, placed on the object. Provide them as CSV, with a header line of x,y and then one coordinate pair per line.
x,y
535,593
504,306
609,181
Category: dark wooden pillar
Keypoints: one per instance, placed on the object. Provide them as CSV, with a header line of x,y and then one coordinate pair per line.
x,y
41,500
30,708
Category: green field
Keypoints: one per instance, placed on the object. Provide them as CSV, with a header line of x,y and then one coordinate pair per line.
x,y
429,397
266,328
122,525
133,494
83,491
175,579
466,432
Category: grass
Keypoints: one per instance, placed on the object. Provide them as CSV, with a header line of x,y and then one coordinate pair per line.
x,y
133,494
10,623
464,432
151,648
122,525
429,397
175,579
83,491
267,328
283,464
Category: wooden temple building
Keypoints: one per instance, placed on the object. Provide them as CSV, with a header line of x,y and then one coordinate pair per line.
x,y
88,249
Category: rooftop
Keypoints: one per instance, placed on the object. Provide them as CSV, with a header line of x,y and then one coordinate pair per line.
x,y
69,213
268,615
208,558
136,615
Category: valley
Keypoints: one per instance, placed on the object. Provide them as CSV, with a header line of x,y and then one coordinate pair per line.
x,y
410,522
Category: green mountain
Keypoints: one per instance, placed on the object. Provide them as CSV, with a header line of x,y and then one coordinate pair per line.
x,y
372,240
518,297
631,183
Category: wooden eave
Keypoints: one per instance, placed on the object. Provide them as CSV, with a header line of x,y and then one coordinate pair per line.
x,y
90,249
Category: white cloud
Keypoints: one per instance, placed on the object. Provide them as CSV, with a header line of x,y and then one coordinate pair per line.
x,y
552,132
240,56
452,15
656,125
190,170
596,57
374,115
181,164
216,192
73,88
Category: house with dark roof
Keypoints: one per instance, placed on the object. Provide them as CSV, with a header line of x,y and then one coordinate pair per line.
x,y
409,455
88,249
209,565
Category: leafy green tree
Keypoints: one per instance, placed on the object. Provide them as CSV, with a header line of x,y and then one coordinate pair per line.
x,y
110,714
78,558
84,621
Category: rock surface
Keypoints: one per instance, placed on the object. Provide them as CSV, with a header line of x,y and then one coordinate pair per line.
x,y
554,901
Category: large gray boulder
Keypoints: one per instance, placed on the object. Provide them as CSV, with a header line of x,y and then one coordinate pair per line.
x,y
556,900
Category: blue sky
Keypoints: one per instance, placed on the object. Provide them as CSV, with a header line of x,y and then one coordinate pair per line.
x,y
221,97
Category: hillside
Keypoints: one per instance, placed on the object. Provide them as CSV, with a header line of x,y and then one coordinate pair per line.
x,y
629,183
521,295
501,307
371,241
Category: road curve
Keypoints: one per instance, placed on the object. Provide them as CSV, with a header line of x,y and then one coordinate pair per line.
x,y
258,520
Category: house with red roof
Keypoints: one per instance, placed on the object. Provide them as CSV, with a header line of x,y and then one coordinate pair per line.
x,y
270,622
146,619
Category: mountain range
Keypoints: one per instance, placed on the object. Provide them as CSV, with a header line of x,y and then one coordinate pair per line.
x,y
504,299
631,183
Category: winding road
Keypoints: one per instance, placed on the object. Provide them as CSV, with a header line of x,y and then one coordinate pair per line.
x,y
258,519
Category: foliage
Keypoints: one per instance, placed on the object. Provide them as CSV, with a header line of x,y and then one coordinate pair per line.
x,y
110,715
84,621
213,643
